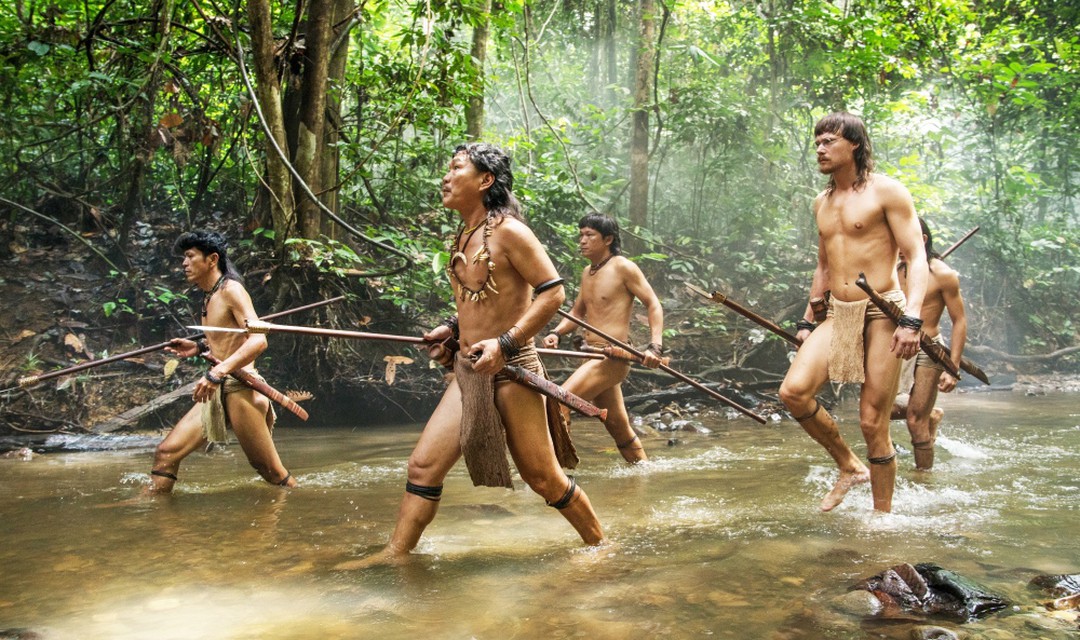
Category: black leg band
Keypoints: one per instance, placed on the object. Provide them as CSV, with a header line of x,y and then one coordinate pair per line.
x,y
567,497
626,445
285,482
928,444
163,474
883,459
817,407
427,493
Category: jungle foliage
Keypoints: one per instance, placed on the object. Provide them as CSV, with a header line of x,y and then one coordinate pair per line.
x,y
119,114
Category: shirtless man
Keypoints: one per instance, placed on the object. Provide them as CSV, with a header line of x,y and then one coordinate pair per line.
x,y
218,398
863,220
606,300
497,266
942,292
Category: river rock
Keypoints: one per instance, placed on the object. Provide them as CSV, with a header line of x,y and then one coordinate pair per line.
x,y
930,590
858,603
928,632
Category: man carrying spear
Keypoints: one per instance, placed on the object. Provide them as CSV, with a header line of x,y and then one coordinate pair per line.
x,y
942,292
220,399
863,220
496,267
606,300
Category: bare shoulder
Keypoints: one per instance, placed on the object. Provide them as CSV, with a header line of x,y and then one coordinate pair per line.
x,y
944,272
888,186
236,295
513,229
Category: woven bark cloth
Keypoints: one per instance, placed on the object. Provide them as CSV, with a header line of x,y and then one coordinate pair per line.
x,y
215,418
483,435
847,352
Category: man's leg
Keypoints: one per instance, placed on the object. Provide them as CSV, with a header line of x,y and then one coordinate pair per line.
x,y
247,414
808,372
436,452
875,405
600,381
530,446
923,417
185,437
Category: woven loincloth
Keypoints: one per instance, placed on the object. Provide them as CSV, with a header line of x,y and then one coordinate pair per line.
x,y
483,434
215,418
924,360
847,352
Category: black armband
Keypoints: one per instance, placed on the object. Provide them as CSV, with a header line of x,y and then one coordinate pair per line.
x,y
910,322
452,322
212,378
550,284
803,323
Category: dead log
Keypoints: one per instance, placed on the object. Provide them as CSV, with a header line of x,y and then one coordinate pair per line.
x,y
133,416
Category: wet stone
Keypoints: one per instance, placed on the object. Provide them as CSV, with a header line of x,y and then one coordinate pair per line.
x,y
857,603
934,633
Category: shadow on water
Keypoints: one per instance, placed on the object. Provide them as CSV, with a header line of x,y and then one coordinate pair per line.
x,y
718,536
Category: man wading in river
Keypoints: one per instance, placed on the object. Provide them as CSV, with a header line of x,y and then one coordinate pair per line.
x,y
863,220
606,300
942,292
220,399
497,265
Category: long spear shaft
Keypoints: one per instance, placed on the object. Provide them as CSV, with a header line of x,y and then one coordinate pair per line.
x,y
26,381
518,374
959,242
269,327
663,367
718,297
937,353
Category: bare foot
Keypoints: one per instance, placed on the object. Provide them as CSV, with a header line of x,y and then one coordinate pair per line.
x,y
595,553
389,556
844,483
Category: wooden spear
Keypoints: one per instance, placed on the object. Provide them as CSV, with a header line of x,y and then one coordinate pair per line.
x,y
27,381
518,374
720,298
937,353
959,242
663,367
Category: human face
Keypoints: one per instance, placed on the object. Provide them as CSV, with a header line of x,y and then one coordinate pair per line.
x,y
834,152
199,267
463,185
592,245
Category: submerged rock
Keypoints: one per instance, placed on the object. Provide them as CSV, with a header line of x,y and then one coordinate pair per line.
x,y
1065,589
930,590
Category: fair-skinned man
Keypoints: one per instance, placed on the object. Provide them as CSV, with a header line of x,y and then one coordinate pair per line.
x,y
219,399
497,264
942,292
864,219
609,286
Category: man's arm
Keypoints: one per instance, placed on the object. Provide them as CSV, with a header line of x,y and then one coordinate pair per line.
x,y
954,302
640,288
565,327
818,285
904,226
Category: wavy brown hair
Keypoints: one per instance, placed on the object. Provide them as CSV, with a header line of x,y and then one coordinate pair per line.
x,y
851,128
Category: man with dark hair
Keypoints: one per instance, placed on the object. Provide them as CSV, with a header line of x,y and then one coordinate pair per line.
x,y
220,400
864,220
496,268
606,301
942,292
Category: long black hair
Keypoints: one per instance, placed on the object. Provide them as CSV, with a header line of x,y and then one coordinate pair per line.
x,y
929,244
207,242
499,199
851,128
605,226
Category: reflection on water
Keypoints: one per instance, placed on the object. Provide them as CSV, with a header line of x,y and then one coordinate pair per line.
x,y
719,535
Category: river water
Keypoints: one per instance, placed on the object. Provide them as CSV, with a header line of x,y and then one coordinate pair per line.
x,y
719,535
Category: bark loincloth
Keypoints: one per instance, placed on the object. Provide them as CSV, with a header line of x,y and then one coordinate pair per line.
x,y
847,353
215,418
483,435
923,359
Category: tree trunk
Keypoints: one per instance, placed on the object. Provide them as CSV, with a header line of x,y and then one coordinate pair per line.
x,y
639,138
330,157
309,136
268,90
474,112
609,47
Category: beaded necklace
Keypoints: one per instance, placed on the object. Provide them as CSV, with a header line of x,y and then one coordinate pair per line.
x,y
594,268
483,253
210,294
